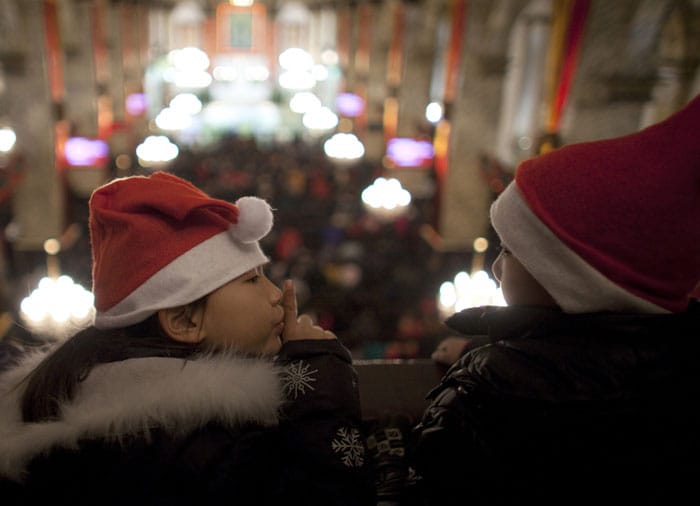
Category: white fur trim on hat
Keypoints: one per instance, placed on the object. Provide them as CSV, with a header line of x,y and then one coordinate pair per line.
x,y
573,283
199,271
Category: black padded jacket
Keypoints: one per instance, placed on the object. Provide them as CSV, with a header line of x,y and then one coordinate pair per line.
x,y
554,408
214,429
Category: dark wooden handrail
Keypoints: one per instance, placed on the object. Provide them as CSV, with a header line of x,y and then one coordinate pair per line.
x,y
393,387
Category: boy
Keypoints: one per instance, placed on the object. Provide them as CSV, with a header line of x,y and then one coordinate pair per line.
x,y
584,392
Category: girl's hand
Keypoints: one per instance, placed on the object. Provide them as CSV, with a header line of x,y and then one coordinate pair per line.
x,y
449,350
302,327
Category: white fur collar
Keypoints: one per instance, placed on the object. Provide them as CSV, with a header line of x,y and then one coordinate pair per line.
x,y
129,397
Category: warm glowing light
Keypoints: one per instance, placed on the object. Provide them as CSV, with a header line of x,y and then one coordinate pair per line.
x,y
58,307
251,72
297,80
224,73
468,291
156,150
187,103
481,244
304,101
189,59
52,246
344,146
433,112
448,294
258,73
263,117
189,68
172,119
386,194
7,139
320,120
295,58
192,79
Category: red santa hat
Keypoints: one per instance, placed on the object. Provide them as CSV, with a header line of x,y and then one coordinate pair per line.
x,y
160,242
612,224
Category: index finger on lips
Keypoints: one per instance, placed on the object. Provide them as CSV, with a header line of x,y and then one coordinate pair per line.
x,y
289,304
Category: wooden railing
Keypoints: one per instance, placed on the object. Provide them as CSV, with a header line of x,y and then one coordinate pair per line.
x,y
395,386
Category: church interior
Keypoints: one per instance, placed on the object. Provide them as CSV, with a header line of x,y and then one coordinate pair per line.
x,y
379,131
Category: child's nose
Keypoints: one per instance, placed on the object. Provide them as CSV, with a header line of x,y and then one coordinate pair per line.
x,y
275,294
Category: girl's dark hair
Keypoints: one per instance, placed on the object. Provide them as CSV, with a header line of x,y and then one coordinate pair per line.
x,y
55,379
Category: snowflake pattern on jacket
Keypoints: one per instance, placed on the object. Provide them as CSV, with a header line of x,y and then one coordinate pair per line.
x,y
350,445
314,382
202,430
298,379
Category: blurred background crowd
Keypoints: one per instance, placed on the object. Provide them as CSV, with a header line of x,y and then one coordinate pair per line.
x,y
379,131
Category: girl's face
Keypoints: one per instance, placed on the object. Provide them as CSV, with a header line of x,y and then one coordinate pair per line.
x,y
245,314
518,286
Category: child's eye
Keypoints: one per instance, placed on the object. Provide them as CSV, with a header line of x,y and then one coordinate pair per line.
x,y
254,279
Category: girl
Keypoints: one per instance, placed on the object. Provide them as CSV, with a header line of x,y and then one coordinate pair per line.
x,y
197,384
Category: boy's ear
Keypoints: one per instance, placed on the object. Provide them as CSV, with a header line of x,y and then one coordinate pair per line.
x,y
182,323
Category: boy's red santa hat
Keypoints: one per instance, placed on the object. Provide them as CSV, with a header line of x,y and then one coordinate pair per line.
x,y
159,242
612,224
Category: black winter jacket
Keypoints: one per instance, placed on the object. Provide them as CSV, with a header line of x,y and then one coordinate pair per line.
x,y
211,430
566,409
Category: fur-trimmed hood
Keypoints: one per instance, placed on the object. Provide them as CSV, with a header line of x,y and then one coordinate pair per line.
x,y
132,396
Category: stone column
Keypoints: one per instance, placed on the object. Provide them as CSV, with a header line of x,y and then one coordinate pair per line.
x,y
376,82
38,203
466,197
420,35
76,32
419,53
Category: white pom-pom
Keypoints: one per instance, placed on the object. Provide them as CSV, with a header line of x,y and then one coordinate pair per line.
x,y
254,219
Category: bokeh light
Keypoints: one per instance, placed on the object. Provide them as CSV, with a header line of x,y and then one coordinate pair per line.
x,y
7,139
344,146
156,150
58,307
466,291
